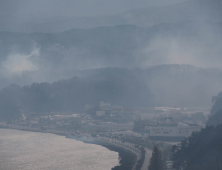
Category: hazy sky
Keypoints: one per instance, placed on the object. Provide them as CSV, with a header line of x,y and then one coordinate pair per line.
x,y
48,8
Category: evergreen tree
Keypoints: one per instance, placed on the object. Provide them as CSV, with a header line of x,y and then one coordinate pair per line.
x,y
141,160
156,161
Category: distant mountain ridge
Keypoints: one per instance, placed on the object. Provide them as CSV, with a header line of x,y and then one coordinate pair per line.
x,y
128,46
121,46
188,10
209,10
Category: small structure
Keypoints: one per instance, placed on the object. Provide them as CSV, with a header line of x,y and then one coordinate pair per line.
x,y
104,105
100,113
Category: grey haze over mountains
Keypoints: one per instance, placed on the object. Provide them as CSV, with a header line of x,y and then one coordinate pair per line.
x,y
155,45
49,8
50,16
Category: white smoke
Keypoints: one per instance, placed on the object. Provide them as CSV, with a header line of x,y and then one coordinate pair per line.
x,y
179,50
16,64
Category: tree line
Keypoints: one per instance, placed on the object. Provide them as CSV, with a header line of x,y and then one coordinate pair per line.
x,y
73,94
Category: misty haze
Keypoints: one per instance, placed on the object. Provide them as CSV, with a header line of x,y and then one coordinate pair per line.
x,y
111,85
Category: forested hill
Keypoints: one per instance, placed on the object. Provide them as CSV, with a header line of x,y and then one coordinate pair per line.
x,y
73,94
51,57
164,85
172,85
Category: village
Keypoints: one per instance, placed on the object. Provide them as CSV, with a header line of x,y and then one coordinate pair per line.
x,y
158,124
129,128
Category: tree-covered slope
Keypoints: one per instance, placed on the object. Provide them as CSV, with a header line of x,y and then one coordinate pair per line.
x,y
201,151
73,94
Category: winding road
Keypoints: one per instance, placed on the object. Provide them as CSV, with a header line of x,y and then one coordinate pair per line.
x,y
129,147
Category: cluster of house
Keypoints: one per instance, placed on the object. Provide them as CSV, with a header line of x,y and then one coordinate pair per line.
x,y
113,113
165,124
162,124
108,118
175,127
